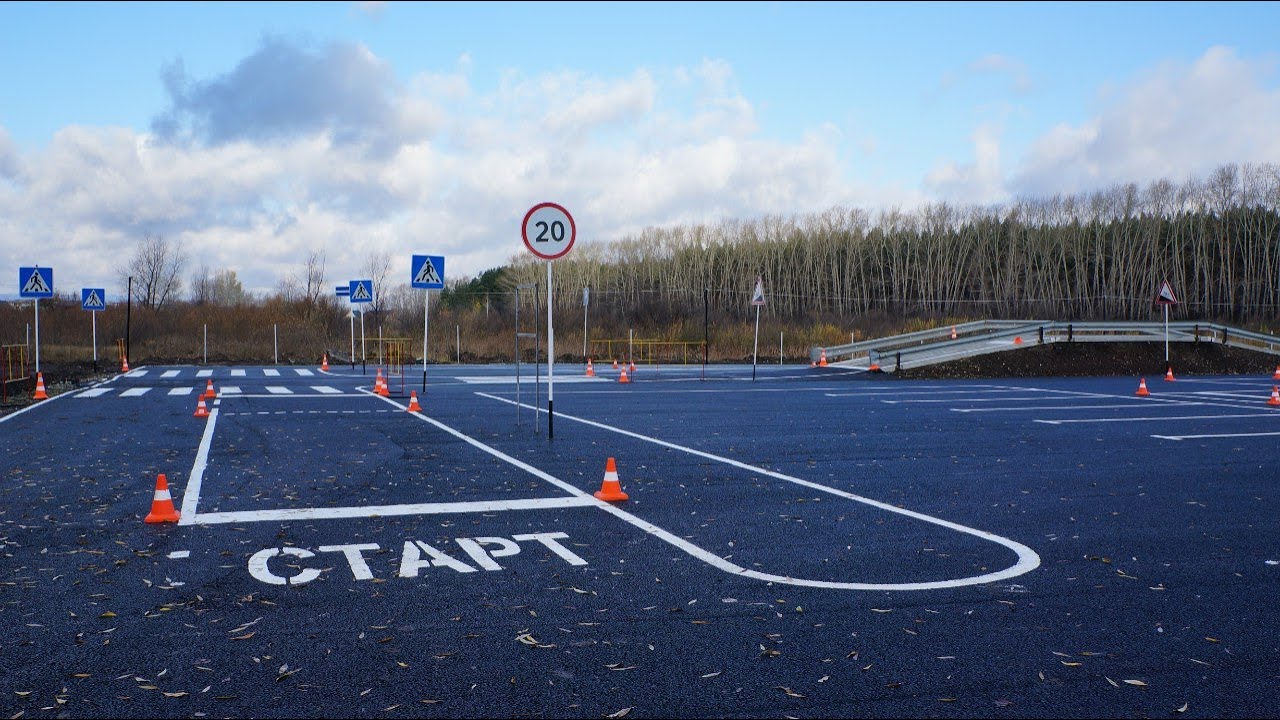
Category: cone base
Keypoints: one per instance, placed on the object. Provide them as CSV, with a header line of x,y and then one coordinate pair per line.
x,y
162,517
611,495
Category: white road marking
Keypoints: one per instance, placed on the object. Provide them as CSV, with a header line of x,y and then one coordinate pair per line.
x,y
271,372
204,373
180,391
179,554
1221,435
1156,418
1055,408
511,379
230,389
480,506
191,495
303,372
939,391
326,390
977,400
95,392
136,373
1028,560
169,374
279,390
237,373
135,392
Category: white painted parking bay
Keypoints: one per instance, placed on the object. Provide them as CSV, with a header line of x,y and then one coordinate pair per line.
x,y
279,390
94,392
135,392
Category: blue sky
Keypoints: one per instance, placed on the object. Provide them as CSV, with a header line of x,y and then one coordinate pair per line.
x,y
407,121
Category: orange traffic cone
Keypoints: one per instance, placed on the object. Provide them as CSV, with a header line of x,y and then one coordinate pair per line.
x,y
615,365
822,361
162,510
40,393
591,370
1276,376
382,388
623,377
201,409
633,367
413,402
324,363
1017,340
610,489
953,332
874,367
1275,396
1168,374
124,364
1142,389
209,392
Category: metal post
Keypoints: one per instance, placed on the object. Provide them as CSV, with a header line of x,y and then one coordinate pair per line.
x,y
585,301
275,342
551,359
426,327
755,345
94,315
206,344
37,303
128,316
779,348
352,318
364,357
457,329
630,336
1166,334
706,324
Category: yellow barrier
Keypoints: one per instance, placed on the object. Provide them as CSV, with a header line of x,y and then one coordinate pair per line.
x,y
652,352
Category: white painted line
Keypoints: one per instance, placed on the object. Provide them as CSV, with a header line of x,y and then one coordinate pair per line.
x,y
977,400
1028,560
935,392
1057,408
230,390
135,392
279,390
303,372
271,372
179,554
511,379
169,374
1157,418
326,390
191,495
1222,435
181,391
95,392
204,373
136,373
479,506
237,373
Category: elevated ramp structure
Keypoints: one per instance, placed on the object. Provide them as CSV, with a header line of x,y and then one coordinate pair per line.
x,y
930,347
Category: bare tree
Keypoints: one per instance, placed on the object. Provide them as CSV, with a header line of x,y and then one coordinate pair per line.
x,y
201,286
155,268
378,268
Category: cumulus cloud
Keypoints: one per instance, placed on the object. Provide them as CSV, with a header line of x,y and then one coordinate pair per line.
x,y
1175,121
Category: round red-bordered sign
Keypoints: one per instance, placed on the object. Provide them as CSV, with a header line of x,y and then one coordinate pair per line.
x,y
548,231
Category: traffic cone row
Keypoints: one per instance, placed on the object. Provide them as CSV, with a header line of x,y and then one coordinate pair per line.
x,y
1142,389
413,402
623,377
40,392
1168,374
209,392
380,385
1275,396
202,410
162,510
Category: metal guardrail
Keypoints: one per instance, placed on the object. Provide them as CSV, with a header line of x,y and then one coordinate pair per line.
x,y
928,347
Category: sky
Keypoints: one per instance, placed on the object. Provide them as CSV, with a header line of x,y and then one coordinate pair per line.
x,y
253,134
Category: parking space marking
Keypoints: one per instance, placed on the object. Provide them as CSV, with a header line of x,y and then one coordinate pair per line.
x,y
1058,408
303,372
1218,435
169,374
180,391
191,495
271,372
136,373
95,392
204,373
135,392
1154,418
1028,560
939,391
976,400
325,389
279,390
230,390
237,373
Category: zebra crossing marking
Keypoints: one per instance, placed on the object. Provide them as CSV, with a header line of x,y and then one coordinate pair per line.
x,y
135,392
181,391
279,390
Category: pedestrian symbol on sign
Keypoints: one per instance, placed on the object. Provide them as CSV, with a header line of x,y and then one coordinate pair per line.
x,y
36,285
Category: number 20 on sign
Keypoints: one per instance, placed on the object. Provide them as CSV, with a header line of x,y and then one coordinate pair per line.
x,y
548,231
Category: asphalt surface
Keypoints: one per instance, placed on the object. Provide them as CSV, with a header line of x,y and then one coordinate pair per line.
x,y
816,543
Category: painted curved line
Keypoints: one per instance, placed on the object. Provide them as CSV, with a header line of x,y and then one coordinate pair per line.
x,y
1028,560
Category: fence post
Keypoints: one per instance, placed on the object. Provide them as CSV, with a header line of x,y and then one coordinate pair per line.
x,y
899,353
1071,334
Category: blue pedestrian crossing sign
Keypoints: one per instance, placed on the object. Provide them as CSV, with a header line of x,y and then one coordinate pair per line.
x,y
427,272
343,290
93,298
361,291
35,282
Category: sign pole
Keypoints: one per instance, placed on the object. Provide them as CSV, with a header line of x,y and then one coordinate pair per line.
x,y
364,358
585,296
37,303
755,347
94,315
352,317
1166,334
426,327
551,359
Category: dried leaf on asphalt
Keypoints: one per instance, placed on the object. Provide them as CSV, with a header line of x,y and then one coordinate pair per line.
x,y
1211,639
1183,708
713,674
881,611
1139,683
1070,664
1113,682
1003,703
620,714
788,691
175,694
109,614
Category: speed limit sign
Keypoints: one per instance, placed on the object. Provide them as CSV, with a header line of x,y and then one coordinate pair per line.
x,y
548,230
